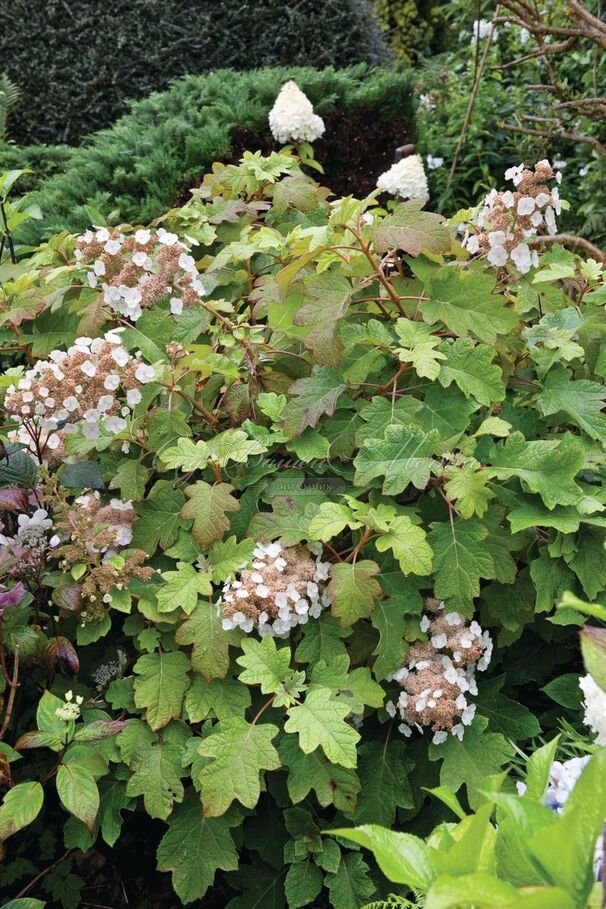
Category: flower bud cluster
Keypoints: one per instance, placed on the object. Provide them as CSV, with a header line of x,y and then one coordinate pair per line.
x,y
137,270
282,589
595,707
438,675
510,219
292,118
95,384
406,179
71,709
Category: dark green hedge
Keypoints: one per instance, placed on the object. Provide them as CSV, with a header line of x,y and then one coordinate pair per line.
x,y
78,63
148,159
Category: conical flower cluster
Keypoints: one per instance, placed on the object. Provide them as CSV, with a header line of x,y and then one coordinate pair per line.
x,y
283,588
292,118
406,179
439,674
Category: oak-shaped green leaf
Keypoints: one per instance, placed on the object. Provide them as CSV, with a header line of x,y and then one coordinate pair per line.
x,y
471,366
330,520
548,467
351,885
320,723
264,664
131,479
353,590
332,784
227,557
157,773
233,445
460,560
195,847
223,698
210,655
182,588
185,455
311,397
580,399
419,347
409,545
412,230
207,508
159,518
464,301
467,485
239,752
385,787
161,683
403,456
330,294
303,883
470,761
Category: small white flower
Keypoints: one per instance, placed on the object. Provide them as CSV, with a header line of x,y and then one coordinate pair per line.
x,y
144,373
434,163
176,306
133,397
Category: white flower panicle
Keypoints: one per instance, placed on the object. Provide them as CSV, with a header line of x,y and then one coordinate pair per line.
x,y
595,707
406,179
283,588
438,675
510,219
95,385
71,709
137,270
292,118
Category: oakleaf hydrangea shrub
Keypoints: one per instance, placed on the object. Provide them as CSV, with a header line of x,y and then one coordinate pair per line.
x,y
251,541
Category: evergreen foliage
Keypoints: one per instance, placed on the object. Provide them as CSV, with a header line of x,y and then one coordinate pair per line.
x,y
129,50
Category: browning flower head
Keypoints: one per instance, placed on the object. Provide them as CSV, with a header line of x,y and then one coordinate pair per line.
x,y
137,270
509,219
282,589
439,673
95,384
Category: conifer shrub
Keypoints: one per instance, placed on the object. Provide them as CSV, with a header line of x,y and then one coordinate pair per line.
x,y
151,157
128,50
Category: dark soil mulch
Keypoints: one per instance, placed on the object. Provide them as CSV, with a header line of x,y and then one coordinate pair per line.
x,y
354,151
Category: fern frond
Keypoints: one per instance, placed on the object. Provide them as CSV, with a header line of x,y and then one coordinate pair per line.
x,y
9,96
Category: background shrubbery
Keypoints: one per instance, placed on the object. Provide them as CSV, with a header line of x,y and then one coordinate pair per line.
x,y
148,160
78,65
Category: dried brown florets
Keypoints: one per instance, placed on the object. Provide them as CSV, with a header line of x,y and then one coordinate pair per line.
x,y
282,589
509,219
95,384
137,270
438,673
